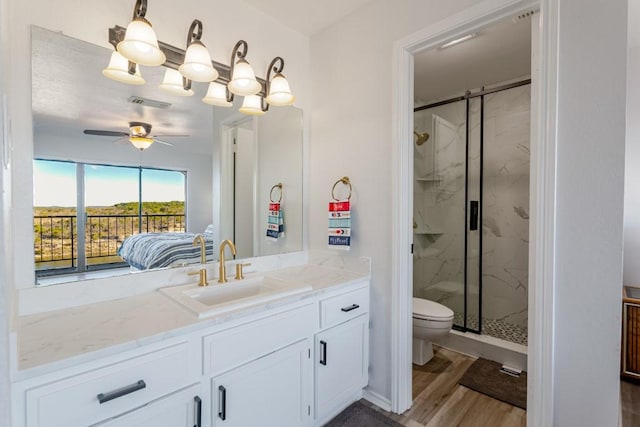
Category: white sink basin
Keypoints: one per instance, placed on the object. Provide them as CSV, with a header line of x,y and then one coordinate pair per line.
x,y
207,301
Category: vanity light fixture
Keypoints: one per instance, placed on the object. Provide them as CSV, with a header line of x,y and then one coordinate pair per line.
x,y
175,84
118,70
278,90
195,64
197,61
140,44
252,105
243,80
217,94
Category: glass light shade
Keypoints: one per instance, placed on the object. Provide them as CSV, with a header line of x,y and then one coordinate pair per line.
x,y
216,95
197,64
252,105
279,91
141,142
173,84
243,81
140,44
118,70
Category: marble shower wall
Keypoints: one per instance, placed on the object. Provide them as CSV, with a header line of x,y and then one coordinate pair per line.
x,y
439,206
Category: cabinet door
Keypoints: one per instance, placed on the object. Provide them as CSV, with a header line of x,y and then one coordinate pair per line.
x,y
274,390
183,408
341,363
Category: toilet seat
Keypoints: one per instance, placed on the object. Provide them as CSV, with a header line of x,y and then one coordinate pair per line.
x,y
430,310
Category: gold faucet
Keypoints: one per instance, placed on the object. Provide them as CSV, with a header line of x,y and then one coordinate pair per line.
x,y
222,274
203,251
202,273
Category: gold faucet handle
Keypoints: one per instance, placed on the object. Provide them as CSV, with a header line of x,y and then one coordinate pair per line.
x,y
202,273
239,272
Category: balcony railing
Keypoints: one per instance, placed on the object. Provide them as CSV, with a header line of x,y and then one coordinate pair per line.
x,y
56,239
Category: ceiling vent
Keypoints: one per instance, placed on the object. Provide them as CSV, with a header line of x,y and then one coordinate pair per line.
x,y
148,102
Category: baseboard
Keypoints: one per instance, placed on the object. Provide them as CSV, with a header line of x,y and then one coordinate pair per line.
x,y
378,400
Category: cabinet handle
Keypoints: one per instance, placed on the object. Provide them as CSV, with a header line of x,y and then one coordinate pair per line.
x,y
198,412
351,307
473,221
105,397
222,403
323,353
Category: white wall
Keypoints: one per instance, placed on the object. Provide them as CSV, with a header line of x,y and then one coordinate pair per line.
x,y
5,233
632,172
198,167
225,22
589,209
351,135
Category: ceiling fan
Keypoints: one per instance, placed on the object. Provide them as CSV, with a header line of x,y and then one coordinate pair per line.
x,y
139,135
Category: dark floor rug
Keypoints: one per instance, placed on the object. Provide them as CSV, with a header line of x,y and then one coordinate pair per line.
x,y
484,376
360,415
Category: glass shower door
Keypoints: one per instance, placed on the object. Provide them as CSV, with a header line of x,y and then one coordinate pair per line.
x,y
440,206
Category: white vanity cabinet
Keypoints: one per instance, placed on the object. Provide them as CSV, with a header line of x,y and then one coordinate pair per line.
x,y
291,364
113,388
262,372
342,352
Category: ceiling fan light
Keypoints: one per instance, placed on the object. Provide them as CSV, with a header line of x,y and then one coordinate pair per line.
x,y
252,105
243,81
140,44
173,83
141,142
216,95
118,70
279,91
197,64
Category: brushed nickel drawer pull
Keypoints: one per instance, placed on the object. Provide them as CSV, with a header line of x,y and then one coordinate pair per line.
x,y
105,397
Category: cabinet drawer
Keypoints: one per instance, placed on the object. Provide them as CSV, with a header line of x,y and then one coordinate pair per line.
x,y
75,401
233,347
343,307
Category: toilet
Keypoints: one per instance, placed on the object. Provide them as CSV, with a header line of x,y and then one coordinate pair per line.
x,y
430,321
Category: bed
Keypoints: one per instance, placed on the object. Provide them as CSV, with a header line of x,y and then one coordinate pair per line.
x,y
145,251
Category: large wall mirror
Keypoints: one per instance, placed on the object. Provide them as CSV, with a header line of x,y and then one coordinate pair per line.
x,y
210,170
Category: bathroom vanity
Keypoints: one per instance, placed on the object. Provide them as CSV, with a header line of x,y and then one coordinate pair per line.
x,y
145,360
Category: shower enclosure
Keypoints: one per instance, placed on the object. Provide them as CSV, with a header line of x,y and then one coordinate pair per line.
x,y
471,208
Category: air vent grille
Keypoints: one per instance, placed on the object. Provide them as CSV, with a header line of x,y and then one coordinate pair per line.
x,y
148,102
523,16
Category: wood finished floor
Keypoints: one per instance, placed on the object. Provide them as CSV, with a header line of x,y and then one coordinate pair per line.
x,y
439,401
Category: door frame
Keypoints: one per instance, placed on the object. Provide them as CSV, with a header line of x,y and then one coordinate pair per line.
x,y
542,197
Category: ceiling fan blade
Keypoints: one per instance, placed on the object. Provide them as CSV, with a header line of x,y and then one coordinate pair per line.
x,y
104,132
163,142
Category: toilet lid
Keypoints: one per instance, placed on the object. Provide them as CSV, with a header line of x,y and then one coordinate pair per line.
x,y
431,310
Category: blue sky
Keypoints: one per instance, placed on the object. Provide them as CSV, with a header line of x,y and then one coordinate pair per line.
x,y
55,184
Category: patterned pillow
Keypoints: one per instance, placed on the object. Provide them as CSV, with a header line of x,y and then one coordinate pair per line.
x,y
208,232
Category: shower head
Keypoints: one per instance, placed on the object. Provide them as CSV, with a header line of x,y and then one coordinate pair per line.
x,y
422,137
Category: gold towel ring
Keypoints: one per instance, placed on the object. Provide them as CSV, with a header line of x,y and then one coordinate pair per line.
x,y
344,180
278,185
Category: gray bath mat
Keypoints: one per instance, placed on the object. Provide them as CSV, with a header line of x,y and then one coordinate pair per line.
x,y
484,376
360,415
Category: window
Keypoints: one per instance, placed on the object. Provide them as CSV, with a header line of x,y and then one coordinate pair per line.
x,y
117,201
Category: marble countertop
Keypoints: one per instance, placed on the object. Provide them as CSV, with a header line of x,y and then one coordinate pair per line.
x,y
62,338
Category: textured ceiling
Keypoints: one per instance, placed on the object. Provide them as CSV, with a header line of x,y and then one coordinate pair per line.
x,y
498,53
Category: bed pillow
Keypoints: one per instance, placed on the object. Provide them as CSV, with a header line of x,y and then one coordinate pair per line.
x,y
208,232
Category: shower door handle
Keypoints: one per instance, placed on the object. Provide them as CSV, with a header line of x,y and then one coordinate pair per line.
x,y
473,215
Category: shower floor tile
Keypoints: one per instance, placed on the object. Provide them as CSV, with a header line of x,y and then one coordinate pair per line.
x,y
495,328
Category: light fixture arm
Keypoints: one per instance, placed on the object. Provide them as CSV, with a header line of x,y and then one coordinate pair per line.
x,y
195,32
276,66
240,51
140,9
